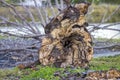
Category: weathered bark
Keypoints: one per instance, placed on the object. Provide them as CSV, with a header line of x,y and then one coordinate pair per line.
x,y
69,42
112,74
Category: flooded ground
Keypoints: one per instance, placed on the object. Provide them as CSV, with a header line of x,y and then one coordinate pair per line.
x,y
20,55
14,52
106,54
106,31
101,33
10,58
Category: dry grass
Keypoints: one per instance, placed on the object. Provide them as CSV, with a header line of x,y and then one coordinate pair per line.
x,y
100,10
94,17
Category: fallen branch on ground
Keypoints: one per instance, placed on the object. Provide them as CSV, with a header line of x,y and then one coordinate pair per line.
x,y
115,46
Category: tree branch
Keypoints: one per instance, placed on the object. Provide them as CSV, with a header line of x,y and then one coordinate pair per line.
x,y
109,47
22,36
28,48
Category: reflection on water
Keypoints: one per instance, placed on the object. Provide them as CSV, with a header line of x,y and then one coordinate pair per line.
x,y
106,33
97,33
106,54
19,30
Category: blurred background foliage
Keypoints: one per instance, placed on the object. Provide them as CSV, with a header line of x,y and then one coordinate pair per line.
x,y
99,8
75,1
98,1
14,1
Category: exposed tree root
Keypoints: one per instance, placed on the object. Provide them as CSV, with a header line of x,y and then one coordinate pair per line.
x,y
69,43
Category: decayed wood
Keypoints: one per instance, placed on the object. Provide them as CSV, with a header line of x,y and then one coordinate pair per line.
x,y
112,74
69,42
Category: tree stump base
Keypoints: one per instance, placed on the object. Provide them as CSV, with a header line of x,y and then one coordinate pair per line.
x,y
69,43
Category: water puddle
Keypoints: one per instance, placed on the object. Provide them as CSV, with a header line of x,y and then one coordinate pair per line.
x,y
106,54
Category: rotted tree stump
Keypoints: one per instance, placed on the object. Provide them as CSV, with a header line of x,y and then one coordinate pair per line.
x,y
69,43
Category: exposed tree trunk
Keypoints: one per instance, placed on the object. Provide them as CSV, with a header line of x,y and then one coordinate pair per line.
x,y
69,43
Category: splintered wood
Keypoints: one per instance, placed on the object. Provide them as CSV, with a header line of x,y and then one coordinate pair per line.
x,y
69,43
112,74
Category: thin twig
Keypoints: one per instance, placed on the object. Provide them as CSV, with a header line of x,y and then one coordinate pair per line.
x,y
106,47
39,13
22,36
